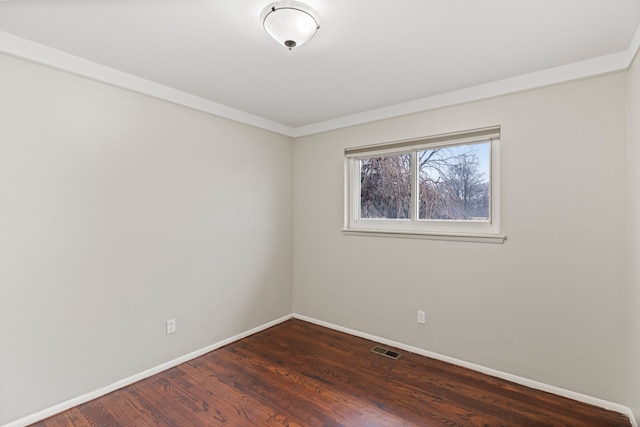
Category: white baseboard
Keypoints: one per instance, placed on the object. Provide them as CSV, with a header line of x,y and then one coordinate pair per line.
x,y
53,410
494,373
56,409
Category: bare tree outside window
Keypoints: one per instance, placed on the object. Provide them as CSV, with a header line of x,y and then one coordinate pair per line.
x,y
453,184
385,187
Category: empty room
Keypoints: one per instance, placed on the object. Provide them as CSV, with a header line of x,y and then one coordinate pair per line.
x,y
319,213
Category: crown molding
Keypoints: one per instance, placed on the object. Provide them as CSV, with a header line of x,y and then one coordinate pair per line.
x,y
34,52
44,55
571,72
599,66
634,47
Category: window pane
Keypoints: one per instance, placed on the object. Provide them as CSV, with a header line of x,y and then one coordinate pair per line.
x,y
454,182
385,187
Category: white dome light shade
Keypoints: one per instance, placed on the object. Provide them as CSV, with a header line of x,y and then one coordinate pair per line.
x,y
290,23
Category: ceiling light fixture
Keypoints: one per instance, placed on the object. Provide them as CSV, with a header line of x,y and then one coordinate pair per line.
x,y
290,23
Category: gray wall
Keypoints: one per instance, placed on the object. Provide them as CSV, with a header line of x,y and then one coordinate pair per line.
x,y
117,212
633,182
547,305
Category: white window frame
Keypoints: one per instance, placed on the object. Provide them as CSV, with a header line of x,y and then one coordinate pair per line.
x,y
462,230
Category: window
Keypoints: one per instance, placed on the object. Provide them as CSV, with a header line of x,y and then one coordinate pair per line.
x,y
443,187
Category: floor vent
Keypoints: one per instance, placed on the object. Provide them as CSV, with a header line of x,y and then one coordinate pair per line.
x,y
386,352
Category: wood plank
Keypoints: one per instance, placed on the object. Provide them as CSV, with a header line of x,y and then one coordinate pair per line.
x,y
301,374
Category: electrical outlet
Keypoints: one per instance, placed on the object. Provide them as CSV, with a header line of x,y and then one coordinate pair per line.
x,y
421,317
171,326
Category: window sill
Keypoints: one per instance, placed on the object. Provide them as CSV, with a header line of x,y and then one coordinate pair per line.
x,y
455,237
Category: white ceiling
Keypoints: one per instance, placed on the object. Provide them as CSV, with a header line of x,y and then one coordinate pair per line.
x,y
368,54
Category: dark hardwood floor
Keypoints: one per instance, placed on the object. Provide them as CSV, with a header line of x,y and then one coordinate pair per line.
x,y
300,374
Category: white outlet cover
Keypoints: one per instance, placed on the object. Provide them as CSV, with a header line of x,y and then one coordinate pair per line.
x,y
171,326
421,317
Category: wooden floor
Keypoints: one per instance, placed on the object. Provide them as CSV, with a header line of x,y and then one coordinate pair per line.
x,y
300,374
